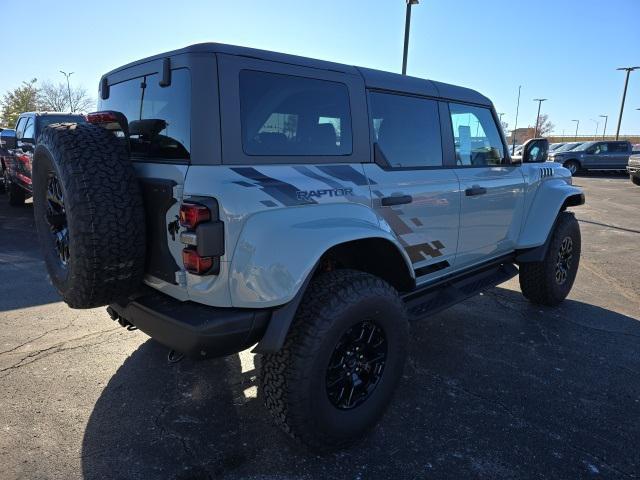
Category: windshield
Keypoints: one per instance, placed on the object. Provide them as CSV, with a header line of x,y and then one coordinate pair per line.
x,y
569,146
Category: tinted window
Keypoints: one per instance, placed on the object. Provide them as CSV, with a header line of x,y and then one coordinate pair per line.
x,y
45,120
159,118
22,121
618,147
288,115
406,130
29,130
476,136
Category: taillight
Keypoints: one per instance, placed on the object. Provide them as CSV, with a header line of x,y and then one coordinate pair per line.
x,y
101,117
194,263
192,214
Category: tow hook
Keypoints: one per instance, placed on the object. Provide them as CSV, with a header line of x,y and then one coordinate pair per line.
x,y
122,321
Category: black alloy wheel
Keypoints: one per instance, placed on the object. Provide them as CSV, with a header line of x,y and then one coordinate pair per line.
x,y
356,365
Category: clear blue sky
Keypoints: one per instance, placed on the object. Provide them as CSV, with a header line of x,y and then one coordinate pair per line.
x,y
564,50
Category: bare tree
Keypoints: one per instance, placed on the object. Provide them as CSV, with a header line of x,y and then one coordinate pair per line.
x,y
55,97
18,100
544,126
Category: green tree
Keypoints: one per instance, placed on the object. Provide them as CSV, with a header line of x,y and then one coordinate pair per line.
x,y
25,98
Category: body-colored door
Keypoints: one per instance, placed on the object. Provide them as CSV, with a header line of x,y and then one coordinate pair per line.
x,y
491,189
411,189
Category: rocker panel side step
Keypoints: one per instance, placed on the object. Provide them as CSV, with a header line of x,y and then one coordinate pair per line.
x,y
437,297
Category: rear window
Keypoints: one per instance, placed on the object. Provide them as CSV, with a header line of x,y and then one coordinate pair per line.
x,y
159,117
45,120
288,115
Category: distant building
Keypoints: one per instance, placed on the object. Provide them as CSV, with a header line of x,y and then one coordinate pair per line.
x,y
522,135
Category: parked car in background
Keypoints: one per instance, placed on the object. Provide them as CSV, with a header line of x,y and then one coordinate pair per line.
x,y
20,144
555,146
633,168
594,156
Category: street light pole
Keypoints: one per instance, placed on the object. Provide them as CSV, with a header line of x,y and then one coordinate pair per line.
x,y
624,95
539,100
595,137
606,117
515,127
575,139
407,26
68,89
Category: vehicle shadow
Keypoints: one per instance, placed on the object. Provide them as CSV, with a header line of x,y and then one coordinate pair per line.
x,y
23,277
493,388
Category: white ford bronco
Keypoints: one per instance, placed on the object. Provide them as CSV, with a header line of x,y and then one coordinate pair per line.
x,y
225,197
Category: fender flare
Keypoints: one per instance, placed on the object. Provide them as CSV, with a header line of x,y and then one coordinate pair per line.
x,y
269,274
537,254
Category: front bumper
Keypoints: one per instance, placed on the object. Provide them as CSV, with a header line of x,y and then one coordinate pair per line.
x,y
197,330
633,170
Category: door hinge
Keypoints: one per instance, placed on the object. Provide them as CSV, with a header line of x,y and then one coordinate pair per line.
x,y
178,191
181,278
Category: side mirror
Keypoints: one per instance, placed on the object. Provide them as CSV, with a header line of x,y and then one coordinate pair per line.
x,y
8,139
535,150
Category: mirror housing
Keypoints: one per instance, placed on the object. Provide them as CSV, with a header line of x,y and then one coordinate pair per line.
x,y
535,150
8,139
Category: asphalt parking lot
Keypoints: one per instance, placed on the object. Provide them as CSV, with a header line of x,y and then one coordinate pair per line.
x,y
494,387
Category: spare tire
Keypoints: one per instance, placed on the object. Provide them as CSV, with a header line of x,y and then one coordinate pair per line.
x,y
89,214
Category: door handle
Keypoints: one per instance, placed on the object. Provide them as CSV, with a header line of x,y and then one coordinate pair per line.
x,y
475,190
397,200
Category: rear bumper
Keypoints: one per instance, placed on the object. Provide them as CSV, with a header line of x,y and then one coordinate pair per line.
x,y
197,330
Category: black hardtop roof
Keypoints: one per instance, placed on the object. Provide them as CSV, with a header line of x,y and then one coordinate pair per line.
x,y
372,78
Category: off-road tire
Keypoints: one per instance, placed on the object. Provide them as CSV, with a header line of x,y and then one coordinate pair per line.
x,y
104,214
538,279
15,193
573,166
635,180
292,381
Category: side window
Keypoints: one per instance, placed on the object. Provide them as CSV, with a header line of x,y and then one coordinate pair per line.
x,y
618,147
289,115
601,148
22,121
159,117
476,136
406,130
29,130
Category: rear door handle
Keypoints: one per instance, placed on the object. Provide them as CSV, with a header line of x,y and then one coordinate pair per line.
x,y
475,190
398,200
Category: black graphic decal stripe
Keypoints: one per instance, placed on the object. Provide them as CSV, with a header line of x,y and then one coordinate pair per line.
x,y
283,192
347,173
307,172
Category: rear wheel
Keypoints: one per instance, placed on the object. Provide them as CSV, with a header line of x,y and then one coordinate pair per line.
x,y
341,361
572,166
89,214
549,282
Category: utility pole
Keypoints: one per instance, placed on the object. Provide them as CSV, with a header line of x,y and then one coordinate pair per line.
x,y
513,146
606,117
624,95
68,89
575,139
407,27
535,130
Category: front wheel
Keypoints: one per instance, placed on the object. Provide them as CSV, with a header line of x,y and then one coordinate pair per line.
x,y
549,282
635,180
572,166
341,361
